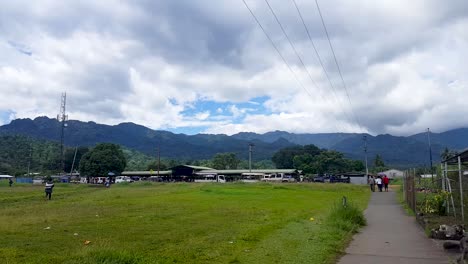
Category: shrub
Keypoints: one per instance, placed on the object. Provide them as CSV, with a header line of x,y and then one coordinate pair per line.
x,y
347,217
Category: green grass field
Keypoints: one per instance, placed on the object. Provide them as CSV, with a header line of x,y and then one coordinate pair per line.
x,y
176,223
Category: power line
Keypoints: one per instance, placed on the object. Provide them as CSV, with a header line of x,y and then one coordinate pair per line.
x,y
315,48
276,48
279,53
299,57
337,64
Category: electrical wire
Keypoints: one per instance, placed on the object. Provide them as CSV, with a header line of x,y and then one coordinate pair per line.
x,y
300,59
279,53
337,65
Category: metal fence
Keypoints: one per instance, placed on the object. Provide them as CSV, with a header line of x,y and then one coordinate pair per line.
x,y
443,193
409,189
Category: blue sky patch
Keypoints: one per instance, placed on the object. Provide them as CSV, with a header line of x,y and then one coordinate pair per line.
x,y
5,116
20,47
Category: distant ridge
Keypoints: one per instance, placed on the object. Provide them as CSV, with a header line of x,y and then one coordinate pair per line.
x,y
396,151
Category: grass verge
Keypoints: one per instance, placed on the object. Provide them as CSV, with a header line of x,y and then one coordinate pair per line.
x,y
184,223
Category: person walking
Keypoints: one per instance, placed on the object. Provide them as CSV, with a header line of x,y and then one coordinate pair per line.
x,y
379,183
385,180
10,182
371,182
48,189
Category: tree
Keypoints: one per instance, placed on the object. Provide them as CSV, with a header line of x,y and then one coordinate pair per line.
x,y
102,159
153,165
330,161
284,158
446,154
378,161
225,161
70,155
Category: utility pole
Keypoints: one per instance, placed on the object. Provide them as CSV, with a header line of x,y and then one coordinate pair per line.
x,y
62,118
250,156
73,163
159,159
430,153
365,154
29,160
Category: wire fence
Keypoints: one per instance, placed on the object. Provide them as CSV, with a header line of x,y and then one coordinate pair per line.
x,y
440,197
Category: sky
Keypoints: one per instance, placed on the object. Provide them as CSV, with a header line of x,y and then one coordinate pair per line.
x,y
202,66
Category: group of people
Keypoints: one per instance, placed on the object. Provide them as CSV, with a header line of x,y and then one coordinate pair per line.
x,y
381,182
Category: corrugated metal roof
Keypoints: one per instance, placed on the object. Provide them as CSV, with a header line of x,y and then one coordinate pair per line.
x,y
252,171
145,173
194,167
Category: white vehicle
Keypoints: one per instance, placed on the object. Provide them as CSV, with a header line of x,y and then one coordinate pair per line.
x,y
120,179
251,177
278,177
201,177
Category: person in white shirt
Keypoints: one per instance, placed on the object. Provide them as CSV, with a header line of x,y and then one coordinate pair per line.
x,y
371,182
48,189
379,183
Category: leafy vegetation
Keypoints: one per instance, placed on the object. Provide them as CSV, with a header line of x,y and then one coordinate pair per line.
x,y
18,153
103,159
183,223
310,159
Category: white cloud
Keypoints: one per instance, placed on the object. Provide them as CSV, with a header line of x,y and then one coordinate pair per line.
x,y
140,62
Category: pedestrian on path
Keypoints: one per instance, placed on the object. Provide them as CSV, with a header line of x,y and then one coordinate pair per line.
x,y
379,183
371,182
385,182
48,189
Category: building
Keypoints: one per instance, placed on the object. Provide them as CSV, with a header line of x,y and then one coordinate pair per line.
x,y
188,172
393,173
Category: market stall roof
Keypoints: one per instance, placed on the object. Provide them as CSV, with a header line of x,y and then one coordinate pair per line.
x,y
227,172
146,173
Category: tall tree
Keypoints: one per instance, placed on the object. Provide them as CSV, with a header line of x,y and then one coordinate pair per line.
x,y
448,154
378,161
225,161
102,159
70,159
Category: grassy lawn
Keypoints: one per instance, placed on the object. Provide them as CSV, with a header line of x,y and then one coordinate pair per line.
x,y
175,223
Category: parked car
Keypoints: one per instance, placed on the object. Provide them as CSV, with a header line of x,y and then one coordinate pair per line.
x,y
278,177
120,179
340,179
322,178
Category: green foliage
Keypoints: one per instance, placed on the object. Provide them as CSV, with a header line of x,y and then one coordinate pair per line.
x,y
102,159
225,161
378,161
434,203
284,158
20,152
69,156
448,154
311,159
348,218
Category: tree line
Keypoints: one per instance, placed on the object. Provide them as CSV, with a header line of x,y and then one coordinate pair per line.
x,y
20,154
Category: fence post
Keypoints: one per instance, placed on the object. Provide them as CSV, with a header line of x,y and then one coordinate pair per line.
x,y
461,189
405,191
414,190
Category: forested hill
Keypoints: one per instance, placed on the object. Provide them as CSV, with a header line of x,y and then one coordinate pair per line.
x,y
143,139
395,151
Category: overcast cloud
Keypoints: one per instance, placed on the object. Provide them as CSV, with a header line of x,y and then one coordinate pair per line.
x,y
205,66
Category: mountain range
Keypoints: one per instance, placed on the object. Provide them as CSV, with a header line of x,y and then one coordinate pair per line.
x,y
395,150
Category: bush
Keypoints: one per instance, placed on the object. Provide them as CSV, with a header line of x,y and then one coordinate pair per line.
x,y
348,218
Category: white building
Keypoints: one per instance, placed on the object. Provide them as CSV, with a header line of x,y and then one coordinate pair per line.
x,y
393,173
